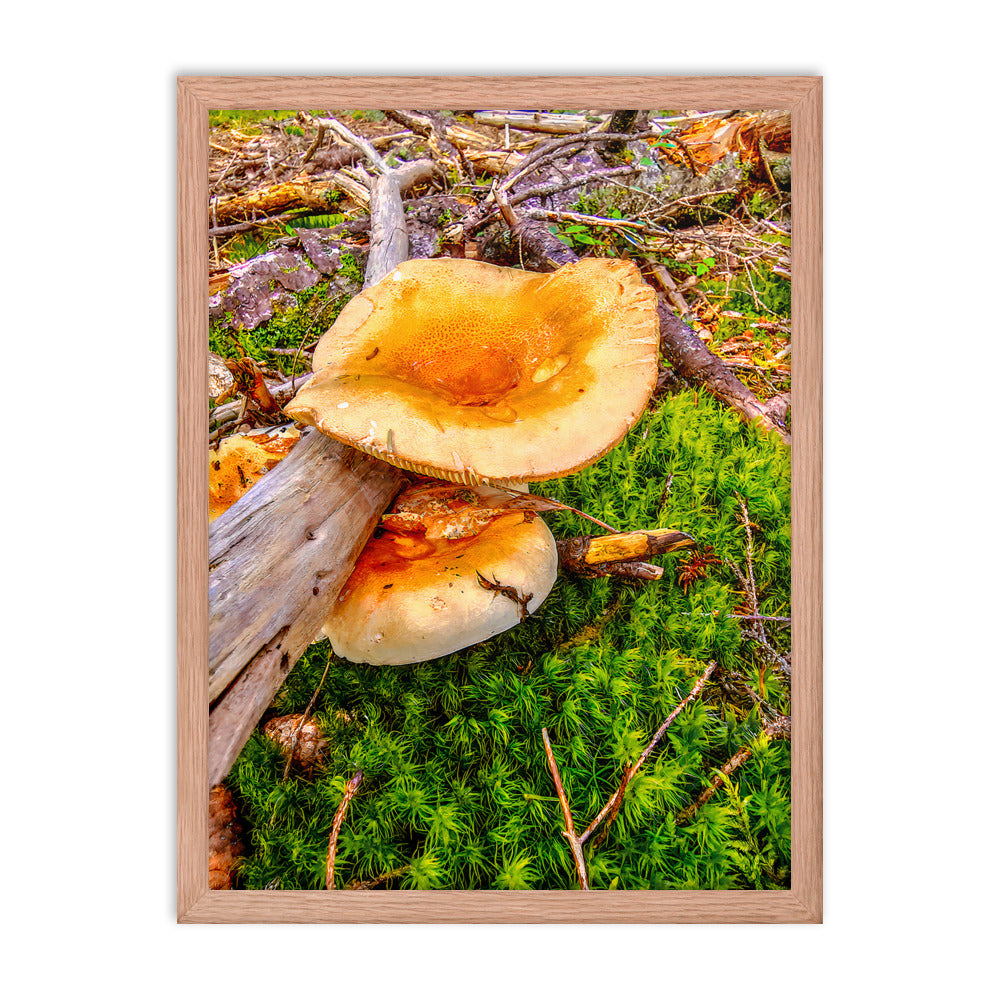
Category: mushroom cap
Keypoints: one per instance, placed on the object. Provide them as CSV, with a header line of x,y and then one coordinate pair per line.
x,y
475,373
242,459
449,571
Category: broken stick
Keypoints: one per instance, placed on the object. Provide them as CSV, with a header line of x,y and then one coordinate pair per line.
x,y
621,553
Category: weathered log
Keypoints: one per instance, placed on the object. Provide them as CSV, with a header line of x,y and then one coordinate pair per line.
x,y
262,542
278,559
302,193
495,161
540,121
281,554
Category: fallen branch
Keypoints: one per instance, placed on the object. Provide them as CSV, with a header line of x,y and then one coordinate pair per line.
x,y
434,130
495,161
316,143
749,585
554,149
611,807
542,155
673,292
613,804
692,360
555,187
267,201
575,844
534,244
540,121
331,852
243,227
599,555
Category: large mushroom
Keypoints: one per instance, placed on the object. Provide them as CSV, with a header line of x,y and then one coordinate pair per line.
x,y
482,374
452,566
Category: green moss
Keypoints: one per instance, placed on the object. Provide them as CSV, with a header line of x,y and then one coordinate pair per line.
x,y
456,792
350,268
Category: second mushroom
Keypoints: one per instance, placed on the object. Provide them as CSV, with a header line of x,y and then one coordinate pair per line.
x,y
451,566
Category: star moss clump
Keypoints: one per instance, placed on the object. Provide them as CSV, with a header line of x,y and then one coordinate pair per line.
x,y
456,791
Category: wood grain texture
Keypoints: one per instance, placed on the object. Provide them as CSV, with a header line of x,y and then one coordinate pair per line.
x,y
192,501
803,903
493,907
337,496
722,92
807,501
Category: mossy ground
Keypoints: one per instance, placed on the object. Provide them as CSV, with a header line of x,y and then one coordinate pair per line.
x,y
456,792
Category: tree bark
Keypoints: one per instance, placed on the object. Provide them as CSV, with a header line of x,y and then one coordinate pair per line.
x,y
621,121
263,543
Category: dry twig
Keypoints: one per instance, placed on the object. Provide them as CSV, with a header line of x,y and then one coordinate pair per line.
x,y
331,854
749,584
612,805
376,882
305,717
575,843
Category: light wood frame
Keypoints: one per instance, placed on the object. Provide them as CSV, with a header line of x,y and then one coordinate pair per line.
x,y
195,902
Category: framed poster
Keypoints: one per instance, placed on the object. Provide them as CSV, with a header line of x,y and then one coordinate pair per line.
x,y
639,739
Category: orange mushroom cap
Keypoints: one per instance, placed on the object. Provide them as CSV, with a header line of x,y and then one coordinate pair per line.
x,y
242,459
449,570
476,373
